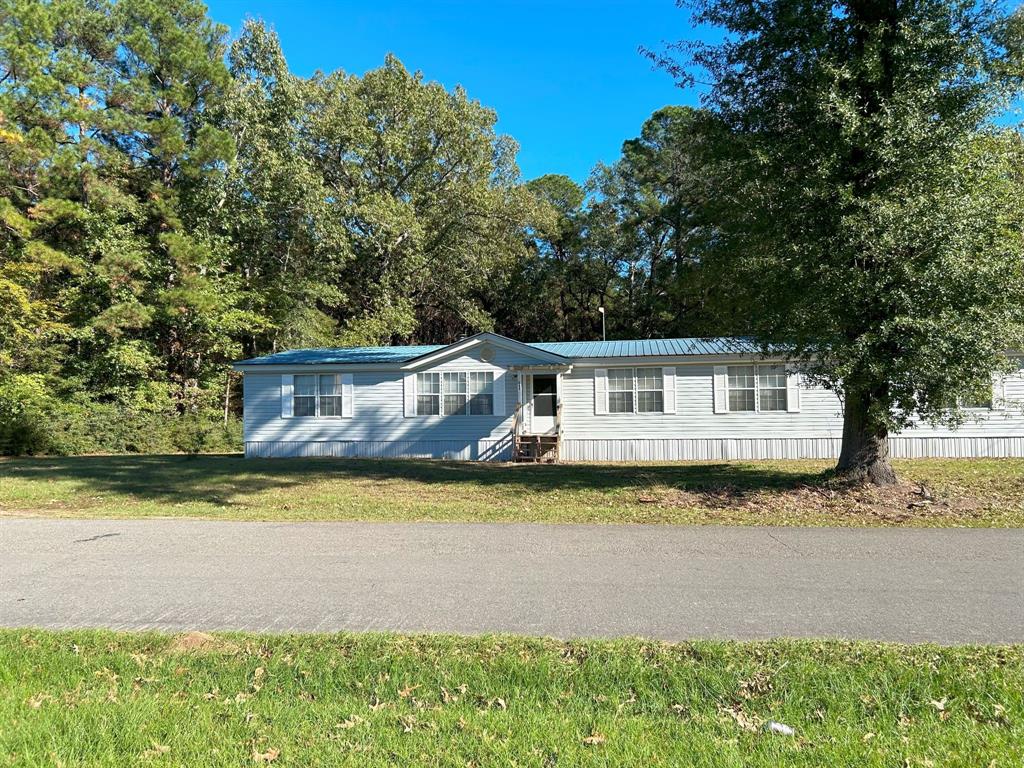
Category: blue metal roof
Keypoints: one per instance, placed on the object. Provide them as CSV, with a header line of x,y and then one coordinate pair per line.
x,y
649,347
570,349
344,355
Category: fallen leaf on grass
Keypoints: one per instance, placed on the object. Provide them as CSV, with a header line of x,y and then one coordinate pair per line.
x,y
351,722
594,739
407,691
378,704
940,707
266,757
256,678
751,723
37,701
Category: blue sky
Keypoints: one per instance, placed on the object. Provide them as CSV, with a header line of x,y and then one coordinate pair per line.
x,y
564,76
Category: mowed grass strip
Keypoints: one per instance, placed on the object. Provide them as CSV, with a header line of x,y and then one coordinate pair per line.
x,y
100,698
974,492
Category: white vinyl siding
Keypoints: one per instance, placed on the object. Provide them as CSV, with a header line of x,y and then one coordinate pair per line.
x,y
695,415
385,421
698,428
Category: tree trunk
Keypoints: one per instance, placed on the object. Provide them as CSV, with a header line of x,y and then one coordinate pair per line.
x,y
865,454
227,399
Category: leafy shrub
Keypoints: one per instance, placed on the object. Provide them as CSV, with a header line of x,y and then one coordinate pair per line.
x,y
33,421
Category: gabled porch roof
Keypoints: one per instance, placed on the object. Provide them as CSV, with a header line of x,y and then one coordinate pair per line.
x,y
543,357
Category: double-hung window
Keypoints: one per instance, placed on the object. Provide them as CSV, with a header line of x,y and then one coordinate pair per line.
x,y
428,394
455,393
316,394
742,388
455,389
636,390
753,388
771,388
304,393
481,393
650,391
620,390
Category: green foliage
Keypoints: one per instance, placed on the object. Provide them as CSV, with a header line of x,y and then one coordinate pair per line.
x,y
171,202
36,420
630,241
864,209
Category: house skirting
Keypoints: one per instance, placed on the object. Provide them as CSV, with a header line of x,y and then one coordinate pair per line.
x,y
455,450
712,449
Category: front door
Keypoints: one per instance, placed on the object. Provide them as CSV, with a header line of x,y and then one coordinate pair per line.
x,y
545,401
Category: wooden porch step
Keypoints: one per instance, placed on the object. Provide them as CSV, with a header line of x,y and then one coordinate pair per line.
x,y
536,448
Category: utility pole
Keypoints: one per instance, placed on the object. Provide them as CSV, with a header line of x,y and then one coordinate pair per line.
x,y
604,336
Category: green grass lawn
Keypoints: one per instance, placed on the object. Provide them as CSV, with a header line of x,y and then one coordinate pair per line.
x,y
980,492
108,699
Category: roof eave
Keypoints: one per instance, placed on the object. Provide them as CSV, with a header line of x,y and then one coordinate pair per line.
x,y
479,338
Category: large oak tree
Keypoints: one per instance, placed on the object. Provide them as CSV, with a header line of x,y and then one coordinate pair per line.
x,y
866,210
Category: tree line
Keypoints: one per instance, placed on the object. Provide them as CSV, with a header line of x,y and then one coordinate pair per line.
x,y
172,200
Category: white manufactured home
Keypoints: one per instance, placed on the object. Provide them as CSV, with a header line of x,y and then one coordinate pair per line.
x,y
493,398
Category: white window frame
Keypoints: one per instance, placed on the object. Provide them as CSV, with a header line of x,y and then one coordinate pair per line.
x,y
609,392
340,394
469,394
636,390
757,387
780,371
439,396
488,389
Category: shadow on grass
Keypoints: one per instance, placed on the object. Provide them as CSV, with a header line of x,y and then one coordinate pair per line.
x,y
227,479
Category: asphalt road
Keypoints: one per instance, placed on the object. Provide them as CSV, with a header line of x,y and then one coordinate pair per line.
x,y
946,586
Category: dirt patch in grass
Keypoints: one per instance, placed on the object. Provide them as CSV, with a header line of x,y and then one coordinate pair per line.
x,y
200,642
900,504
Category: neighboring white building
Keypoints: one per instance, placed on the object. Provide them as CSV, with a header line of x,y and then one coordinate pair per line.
x,y
490,397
